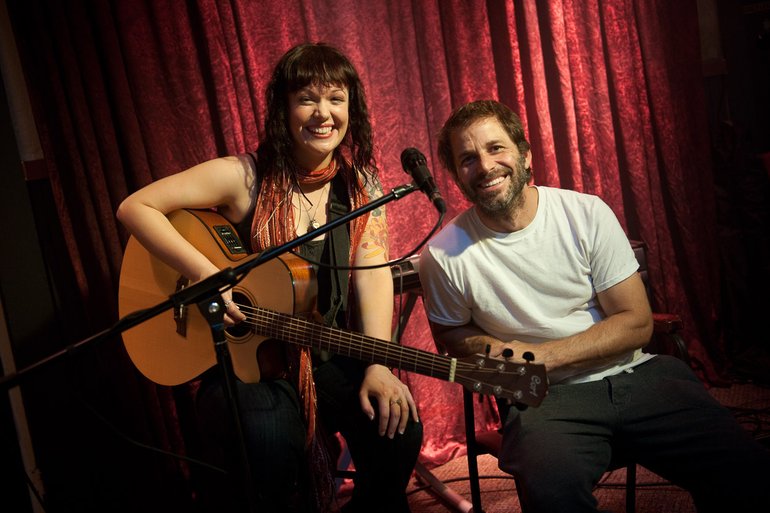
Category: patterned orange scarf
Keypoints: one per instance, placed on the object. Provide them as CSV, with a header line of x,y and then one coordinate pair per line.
x,y
273,224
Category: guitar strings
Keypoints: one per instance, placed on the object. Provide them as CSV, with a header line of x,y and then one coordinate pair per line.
x,y
299,330
280,323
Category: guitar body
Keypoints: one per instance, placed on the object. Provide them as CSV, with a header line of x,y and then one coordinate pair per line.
x,y
170,351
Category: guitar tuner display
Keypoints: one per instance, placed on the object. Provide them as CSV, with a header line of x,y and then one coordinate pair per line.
x,y
230,239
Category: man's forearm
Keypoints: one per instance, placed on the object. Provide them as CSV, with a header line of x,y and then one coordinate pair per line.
x,y
464,340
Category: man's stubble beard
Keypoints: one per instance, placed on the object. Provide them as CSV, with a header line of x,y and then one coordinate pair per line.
x,y
512,199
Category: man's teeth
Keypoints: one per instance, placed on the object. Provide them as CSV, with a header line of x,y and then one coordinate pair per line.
x,y
322,130
492,183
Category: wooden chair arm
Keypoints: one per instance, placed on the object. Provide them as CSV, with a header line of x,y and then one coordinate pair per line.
x,y
665,323
667,335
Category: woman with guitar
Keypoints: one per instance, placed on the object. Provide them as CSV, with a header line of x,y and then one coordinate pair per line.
x,y
315,162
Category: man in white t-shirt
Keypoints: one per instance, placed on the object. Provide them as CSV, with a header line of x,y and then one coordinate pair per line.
x,y
551,272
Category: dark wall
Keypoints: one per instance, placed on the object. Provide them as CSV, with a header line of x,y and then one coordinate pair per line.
x,y
40,308
22,287
740,131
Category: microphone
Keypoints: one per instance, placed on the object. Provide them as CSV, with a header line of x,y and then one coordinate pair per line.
x,y
413,162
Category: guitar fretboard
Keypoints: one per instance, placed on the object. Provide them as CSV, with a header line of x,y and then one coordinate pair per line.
x,y
268,323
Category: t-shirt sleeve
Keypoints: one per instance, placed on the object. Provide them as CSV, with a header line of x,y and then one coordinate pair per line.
x,y
444,303
612,258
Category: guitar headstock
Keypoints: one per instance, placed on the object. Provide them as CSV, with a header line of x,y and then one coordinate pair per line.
x,y
521,383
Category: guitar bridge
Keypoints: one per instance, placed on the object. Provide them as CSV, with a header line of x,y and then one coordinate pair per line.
x,y
180,312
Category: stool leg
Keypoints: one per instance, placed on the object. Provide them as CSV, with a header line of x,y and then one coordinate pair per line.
x,y
631,488
473,466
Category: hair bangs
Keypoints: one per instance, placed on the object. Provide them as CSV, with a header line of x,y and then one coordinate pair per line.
x,y
319,65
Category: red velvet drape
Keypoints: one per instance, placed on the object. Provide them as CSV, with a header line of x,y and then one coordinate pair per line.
x,y
609,90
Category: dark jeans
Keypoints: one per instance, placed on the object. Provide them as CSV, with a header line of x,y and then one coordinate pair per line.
x,y
274,429
659,416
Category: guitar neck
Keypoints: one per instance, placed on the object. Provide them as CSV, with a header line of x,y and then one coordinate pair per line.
x,y
361,347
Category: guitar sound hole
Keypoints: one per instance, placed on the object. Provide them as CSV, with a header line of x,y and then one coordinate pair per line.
x,y
241,329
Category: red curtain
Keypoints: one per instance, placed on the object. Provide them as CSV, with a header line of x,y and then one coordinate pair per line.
x,y
610,92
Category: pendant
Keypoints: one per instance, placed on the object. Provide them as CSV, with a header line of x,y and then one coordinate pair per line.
x,y
313,225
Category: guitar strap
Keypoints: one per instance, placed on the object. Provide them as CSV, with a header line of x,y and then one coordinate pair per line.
x,y
339,252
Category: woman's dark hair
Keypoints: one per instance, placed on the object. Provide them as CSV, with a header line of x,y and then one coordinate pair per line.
x,y
466,115
314,64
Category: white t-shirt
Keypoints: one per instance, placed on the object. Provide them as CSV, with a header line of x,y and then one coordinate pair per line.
x,y
536,284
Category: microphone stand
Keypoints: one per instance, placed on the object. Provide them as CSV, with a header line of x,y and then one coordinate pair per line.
x,y
207,295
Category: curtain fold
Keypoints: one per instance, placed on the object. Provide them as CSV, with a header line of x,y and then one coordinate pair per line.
x,y
609,92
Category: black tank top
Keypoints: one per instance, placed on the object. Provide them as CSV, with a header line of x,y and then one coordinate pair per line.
x,y
333,249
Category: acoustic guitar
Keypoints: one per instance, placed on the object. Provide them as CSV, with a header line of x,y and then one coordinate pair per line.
x,y
278,299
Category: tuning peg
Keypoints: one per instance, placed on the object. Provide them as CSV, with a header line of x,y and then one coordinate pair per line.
x,y
528,356
507,352
488,349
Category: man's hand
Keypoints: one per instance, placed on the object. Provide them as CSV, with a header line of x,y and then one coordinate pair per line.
x,y
394,400
512,349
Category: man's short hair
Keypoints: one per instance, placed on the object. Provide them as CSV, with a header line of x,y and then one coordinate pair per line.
x,y
466,115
